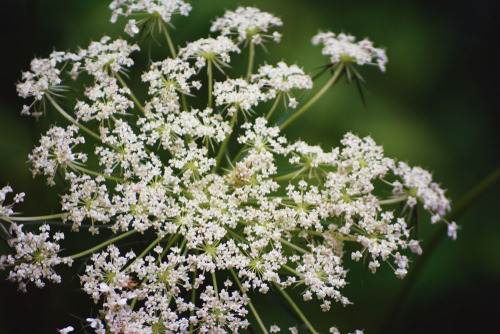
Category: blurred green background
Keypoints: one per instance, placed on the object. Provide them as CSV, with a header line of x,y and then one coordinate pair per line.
x,y
436,106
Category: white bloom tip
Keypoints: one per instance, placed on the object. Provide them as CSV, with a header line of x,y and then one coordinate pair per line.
x,y
66,330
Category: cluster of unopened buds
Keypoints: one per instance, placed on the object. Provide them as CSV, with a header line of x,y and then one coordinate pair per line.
x,y
201,168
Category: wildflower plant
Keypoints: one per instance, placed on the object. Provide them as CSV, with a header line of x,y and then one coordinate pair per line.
x,y
202,169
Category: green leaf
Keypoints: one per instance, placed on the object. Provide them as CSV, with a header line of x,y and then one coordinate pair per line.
x,y
413,222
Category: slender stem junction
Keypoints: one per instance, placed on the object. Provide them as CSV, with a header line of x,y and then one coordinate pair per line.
x,y
104,244
275,104
169,40
210,82
222,149
132,95
316,97
71,119
250,60
463,204
250,304
37,218
296,308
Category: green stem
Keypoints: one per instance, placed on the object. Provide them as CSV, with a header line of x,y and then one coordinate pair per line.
x,y
101,245
184,102
29,219
239,154
250,61
222,149
91,172
473,195
236,235
71,119
252,308
296,308
132,95
193,299
183,247
293,271
393,200
465,202
297,248
288,176
169,40
275,104
320,234
173,238
214,279
329,84
144,252
255,201
210,82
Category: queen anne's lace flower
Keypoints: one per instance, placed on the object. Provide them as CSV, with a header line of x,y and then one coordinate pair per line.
x,y
418,183
223,311
170,76
211,49
322,272
238,94
43,78
282,78
107,99
248,23
163,8
452,230
35,256
102,59
212,225
343,48
56,151
125,149
87,199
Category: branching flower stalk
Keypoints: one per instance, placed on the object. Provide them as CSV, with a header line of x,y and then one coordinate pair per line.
x,y
251,57
315,98
71,119
217,230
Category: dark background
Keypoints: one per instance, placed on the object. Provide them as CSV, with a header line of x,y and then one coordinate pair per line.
x,y
436,106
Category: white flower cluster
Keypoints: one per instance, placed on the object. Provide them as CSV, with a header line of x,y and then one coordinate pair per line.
x,y
166,126
342,48
419,182
102,60
211,49
163,8
206,210
123,148
56,151
238,93
107,99
158,286
35,256
282,78
87,198
41,79
249,23
272,217
6,210
419,186
170,76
